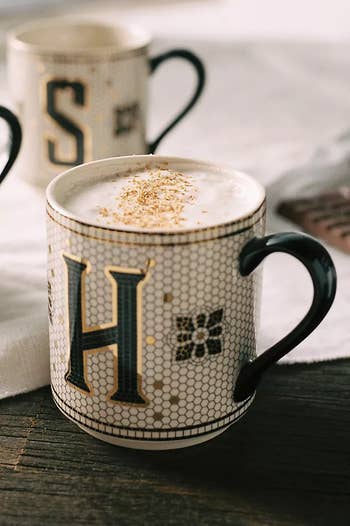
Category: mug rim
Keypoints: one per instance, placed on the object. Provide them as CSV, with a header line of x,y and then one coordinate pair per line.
x,y
137,161
15,38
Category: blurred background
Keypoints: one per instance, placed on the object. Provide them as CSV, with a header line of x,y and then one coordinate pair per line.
x,y
278,75
211,19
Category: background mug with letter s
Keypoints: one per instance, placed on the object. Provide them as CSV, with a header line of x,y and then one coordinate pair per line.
x,y
152,333
80,89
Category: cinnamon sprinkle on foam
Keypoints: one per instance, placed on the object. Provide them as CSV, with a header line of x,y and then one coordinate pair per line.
x,y
155,199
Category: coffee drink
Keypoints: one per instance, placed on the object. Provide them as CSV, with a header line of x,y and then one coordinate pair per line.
x,y
159,198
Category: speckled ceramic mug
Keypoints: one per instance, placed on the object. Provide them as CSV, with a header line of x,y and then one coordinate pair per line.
x,y
152,334
80,89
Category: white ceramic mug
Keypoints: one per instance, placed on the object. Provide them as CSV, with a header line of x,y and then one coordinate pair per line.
x,y
80,89
152,334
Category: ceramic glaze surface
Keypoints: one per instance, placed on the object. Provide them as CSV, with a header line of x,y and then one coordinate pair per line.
x,y
148,331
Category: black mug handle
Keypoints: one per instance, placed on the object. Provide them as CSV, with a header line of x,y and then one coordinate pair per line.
x,y
15,138
320,266
199,67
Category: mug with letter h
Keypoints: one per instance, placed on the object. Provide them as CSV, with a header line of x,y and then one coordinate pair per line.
x,y
153,326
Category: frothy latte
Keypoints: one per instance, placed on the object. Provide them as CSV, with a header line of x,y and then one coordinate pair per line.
x,y
156,198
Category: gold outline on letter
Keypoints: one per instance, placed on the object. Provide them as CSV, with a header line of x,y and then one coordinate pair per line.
x,y
83,127
86,329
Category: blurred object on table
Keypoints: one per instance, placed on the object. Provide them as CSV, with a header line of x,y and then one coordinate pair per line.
x,y
326,216
316,196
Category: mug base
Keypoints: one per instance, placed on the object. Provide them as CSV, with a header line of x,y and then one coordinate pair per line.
x,y
153,445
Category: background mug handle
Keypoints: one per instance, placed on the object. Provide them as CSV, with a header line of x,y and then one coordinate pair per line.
x,y
321,268
15,139
199,68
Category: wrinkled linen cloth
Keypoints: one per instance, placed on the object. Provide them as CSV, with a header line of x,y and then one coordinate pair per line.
x,y
24,348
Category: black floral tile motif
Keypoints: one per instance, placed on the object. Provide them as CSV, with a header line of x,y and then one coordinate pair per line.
x,y
127,118
198,336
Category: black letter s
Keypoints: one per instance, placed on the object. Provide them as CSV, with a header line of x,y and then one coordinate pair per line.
x,y
65,123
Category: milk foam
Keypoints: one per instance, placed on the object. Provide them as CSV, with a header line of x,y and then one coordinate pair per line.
x,y
213,197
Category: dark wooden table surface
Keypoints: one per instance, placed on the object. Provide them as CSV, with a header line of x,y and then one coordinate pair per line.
x,y
286,463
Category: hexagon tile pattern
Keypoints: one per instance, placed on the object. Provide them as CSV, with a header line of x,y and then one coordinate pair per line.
x,y
199,319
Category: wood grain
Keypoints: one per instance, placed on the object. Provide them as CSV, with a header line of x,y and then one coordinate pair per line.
x,y
286,463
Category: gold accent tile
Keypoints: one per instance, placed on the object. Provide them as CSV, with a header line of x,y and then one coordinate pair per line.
x,y
168,297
